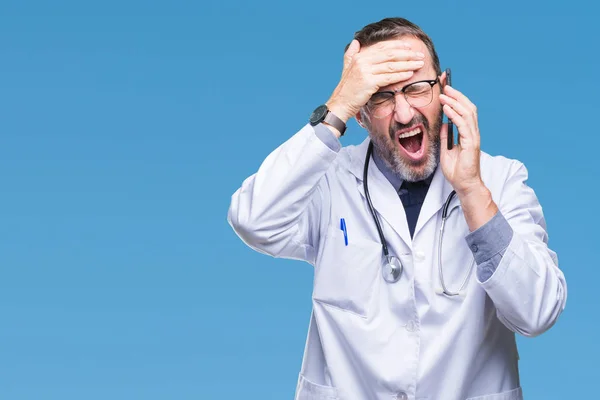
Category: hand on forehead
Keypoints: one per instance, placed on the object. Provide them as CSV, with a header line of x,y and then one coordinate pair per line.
x,y
406,43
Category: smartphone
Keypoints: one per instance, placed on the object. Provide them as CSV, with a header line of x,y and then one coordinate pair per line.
x,y
450,124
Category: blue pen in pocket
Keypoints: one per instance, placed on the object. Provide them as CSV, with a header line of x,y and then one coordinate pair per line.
x,y
343,228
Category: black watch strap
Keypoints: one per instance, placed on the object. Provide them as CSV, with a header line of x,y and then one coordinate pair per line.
x,y
334,121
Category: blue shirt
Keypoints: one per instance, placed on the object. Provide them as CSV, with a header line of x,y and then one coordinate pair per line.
x,y
487,243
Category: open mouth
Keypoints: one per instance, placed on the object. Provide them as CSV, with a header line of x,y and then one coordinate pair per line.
x,y
411,141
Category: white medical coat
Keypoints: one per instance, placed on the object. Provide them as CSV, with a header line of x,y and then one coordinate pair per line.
x,y
369,339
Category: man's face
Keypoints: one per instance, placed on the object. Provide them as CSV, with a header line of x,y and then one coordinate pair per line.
x,y
412,157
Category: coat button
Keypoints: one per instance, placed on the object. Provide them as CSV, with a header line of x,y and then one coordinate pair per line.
x,y
402,396
419,255
474,248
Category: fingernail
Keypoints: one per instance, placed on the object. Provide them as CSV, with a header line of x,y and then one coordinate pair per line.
x,y
420,55
420,62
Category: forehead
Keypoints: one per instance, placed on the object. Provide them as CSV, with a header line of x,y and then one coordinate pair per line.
x,y
426,72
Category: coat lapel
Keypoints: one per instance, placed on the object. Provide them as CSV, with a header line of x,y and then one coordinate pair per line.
x,y
386,200
438,192
384,197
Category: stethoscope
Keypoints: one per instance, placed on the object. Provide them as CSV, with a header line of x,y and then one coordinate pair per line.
x,y
392,267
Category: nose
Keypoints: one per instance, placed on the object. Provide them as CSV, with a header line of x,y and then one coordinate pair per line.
x,y
403,113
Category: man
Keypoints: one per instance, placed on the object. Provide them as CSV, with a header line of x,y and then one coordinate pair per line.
x,y
441,322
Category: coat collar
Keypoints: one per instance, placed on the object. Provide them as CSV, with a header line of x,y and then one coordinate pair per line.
x,y
385,197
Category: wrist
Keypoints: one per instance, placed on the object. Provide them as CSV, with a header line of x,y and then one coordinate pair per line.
x,y
478,205
472,190
339,110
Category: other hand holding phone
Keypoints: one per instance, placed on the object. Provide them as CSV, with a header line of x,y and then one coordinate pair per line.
x,y
460,162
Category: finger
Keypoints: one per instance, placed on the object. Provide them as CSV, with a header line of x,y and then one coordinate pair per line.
x,y
451,92
392,55
456,105
465,131
398,66
383,80
353,49
464,107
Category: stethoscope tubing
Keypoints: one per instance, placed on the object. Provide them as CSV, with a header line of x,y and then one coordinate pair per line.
x,y
368,196
445,290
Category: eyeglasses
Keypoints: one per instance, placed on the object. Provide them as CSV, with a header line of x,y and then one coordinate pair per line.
x,y
417,94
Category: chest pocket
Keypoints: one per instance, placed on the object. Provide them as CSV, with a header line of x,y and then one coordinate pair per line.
x,y
345,275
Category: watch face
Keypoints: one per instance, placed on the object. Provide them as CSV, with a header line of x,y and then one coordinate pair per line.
x,y
318,115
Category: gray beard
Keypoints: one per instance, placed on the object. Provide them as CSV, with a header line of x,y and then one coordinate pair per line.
x,y
405,169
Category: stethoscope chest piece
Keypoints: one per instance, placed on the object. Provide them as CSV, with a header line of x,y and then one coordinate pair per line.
x,y
392,269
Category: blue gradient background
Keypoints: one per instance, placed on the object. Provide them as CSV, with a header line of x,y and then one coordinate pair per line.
x,y
125,126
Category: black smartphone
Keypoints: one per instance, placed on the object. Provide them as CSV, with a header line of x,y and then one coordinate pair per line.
x,y
450,124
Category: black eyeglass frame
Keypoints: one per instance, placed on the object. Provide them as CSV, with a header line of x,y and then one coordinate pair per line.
x,y
402,90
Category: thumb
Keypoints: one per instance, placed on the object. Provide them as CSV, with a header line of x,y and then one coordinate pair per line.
x,y
444,139
444,136
351,52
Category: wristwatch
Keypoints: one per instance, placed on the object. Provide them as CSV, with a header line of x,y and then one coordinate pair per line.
x,y
322,114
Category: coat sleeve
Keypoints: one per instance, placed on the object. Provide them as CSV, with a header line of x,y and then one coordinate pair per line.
x,y
527,288
278,210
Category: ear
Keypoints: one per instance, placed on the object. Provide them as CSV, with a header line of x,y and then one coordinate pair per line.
x,y
359,119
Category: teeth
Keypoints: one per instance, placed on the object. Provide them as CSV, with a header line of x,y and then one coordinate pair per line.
x,y
414,132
